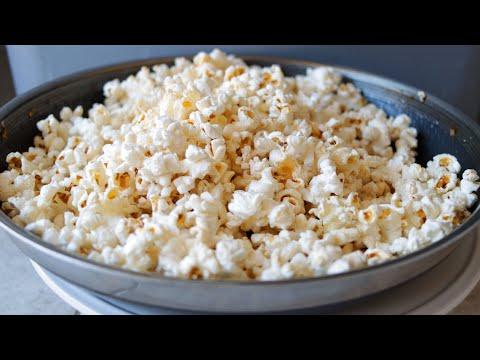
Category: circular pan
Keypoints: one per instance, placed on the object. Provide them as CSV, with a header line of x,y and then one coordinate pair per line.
x,y
77,268
130,67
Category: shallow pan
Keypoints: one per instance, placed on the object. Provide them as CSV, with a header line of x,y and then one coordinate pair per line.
x,y
441,129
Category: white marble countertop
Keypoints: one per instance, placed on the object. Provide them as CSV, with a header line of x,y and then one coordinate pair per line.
x,y
21,289
23,292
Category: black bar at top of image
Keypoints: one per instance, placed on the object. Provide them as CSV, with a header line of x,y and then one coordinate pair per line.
x,y
222,23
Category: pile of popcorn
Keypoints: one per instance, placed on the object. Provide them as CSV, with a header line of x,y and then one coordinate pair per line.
x,y
212,169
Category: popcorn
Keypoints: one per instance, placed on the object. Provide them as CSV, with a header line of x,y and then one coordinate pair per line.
x,y
326,184
184,184
281,216
212,169
245,204
355,260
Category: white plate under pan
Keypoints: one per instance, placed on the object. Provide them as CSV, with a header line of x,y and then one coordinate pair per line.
x,y
437,291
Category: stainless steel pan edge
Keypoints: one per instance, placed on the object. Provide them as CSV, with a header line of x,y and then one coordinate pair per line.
x,y
230,296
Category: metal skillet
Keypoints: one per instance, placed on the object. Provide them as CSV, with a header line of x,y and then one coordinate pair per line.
x,y
441,129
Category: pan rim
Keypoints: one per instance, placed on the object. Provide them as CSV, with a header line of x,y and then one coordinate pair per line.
x,y
30,239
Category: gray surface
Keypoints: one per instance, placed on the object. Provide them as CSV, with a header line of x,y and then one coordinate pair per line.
x,y
21,291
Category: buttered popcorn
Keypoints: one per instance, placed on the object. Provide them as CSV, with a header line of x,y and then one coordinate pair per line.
x,y
214,169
